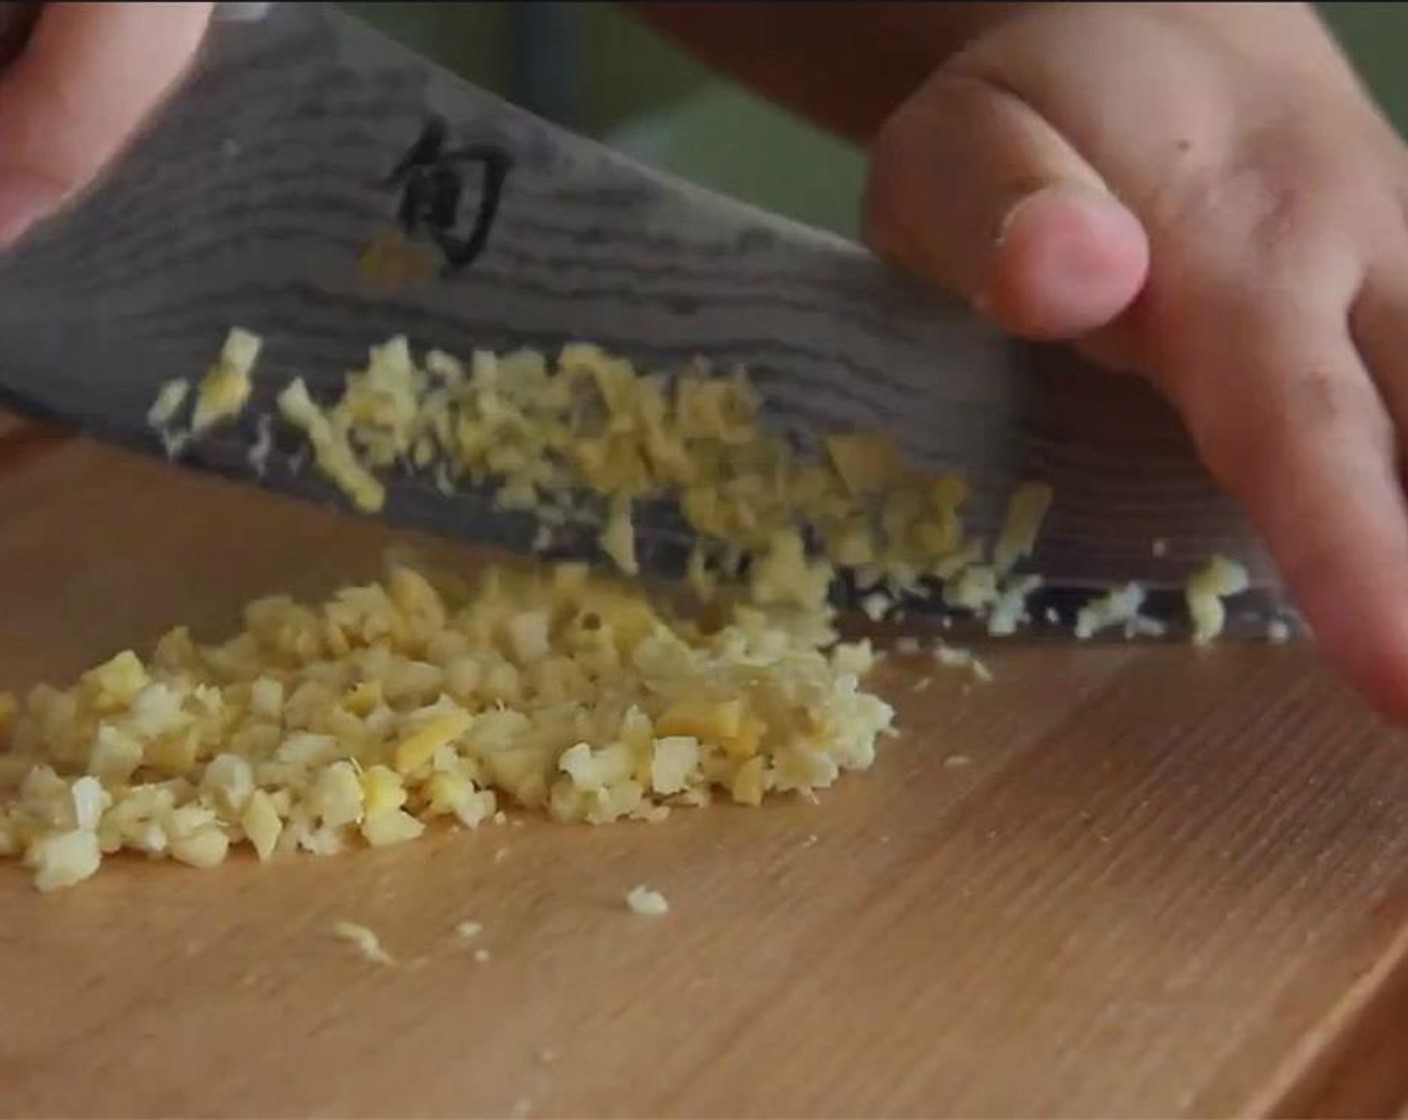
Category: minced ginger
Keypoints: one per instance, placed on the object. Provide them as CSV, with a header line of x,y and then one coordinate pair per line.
x,y
362,720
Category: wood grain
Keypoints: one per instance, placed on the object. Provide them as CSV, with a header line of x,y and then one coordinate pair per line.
x,y
1163,884
253,199
1351,1065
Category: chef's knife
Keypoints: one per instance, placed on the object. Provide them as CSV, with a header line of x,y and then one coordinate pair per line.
x,y
254,198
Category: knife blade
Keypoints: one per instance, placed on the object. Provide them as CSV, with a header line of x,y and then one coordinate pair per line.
x,y
253,200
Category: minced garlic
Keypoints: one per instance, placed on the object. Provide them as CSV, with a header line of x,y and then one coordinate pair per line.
x,y
952,657
169,399
263,446
61,859
1117,607
1010,608
647,902
226,387
332,452
876,605
366,941
1219,579
390,706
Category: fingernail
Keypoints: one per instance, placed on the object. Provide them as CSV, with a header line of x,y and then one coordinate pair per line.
x,y
1068,189
1069,260
1011,215
25,198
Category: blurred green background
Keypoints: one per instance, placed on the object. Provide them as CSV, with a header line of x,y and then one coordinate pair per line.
x,y
591,66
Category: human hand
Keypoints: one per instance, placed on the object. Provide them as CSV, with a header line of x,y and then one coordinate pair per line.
x,y
88,79
1202,194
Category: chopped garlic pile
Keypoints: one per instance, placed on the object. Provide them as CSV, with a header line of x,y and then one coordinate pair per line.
x,y
361,720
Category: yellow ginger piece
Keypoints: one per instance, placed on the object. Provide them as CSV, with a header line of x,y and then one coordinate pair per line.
x,y
226,387
332,452
715,721
1026,510
261,823
748,783
866,462
382,791
420,746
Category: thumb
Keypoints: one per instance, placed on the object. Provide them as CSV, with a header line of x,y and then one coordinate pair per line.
x,y
88,79
971,188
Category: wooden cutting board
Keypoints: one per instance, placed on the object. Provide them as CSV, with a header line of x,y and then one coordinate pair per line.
x,y
1117,881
